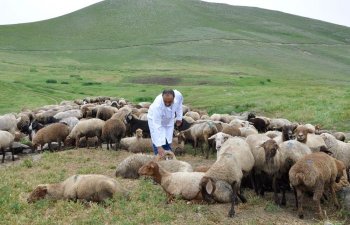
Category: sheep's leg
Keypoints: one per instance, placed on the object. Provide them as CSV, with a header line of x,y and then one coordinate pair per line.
x,y
108,142
253,180
13,153
336,203
207,147
3,155
261,185
115,144
317,197
296,198
195,146
233,200
49,144
300,196
274,186
59,145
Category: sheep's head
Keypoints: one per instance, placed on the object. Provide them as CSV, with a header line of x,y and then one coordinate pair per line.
x,y
288,132
220,139
129,117
180,137
270,147
207,189
149,169
301,133
38,193
329,140
341,170
139,133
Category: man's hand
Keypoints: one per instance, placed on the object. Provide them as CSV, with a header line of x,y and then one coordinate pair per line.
x,y
178,123
161,151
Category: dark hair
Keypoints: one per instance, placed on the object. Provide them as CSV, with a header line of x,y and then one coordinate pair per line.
x,y
168,92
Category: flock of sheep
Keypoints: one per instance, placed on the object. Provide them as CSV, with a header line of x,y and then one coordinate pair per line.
x,y
252,152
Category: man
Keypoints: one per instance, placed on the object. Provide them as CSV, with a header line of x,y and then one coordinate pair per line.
x,y
161,116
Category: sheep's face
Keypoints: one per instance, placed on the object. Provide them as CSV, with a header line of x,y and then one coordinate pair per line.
x,y
38,193
139,133
301,134
220,139
148,169
271,148
287,132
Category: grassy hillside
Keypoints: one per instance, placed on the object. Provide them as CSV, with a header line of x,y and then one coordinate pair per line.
x,y
223,58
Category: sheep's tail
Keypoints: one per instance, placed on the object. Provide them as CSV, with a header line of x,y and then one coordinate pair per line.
x,y
301,178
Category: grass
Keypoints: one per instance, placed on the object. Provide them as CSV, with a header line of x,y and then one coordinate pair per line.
x,y
147,203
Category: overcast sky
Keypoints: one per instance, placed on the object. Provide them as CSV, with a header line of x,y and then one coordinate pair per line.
x,y
24,11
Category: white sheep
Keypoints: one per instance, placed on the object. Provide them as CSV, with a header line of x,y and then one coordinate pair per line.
x,y
89,187
8,122
137,143
6,141
340,150
70,113
278,124
70,121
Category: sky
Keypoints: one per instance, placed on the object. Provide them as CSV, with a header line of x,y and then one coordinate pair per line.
x,y
24,11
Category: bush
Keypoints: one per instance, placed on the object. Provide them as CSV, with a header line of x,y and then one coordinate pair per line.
x,y
91,83
262,82
51,81
64,82
33,70
144,99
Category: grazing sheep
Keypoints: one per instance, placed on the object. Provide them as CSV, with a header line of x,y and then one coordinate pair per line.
x,y
6,141
46,117
137,143
113,131
231,130
306,135
24,122
137,124
86,128
339,136
8,122
56,132
200,133
89,187
178,144
246,131
273,134
278,124
315,172
70,113
340,150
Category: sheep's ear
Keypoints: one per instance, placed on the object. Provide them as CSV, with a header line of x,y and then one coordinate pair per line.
x,y
210,187
212,137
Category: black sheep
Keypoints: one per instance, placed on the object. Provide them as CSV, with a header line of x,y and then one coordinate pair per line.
x,y
137,124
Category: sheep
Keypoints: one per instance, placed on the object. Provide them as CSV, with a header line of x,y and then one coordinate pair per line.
x,y
8,122
46,117
306,135
229,168
6,141
246,131
215,117
273,134
136,124
136,144
105,113
340,150
113,130
315,172
56,132
231,130
188,119
278,124
267,159
86,128
205,117
24,121
239,123
178,144
70,113
339,136
129,167
194,115
201,132
259,123
89,187
287,134
70,121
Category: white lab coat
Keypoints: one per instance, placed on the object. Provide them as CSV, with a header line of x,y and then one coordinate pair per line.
x,y
161,119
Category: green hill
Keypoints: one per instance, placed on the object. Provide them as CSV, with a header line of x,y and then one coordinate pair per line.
x,y
223,58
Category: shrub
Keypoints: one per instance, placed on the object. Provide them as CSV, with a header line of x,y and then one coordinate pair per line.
x,y
51,81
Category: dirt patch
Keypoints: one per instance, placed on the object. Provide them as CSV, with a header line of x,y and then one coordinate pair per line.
x,y
162,80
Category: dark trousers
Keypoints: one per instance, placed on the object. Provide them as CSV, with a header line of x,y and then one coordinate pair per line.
x,y
166,147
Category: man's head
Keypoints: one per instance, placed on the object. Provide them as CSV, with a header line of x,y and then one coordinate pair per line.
x,y
168,97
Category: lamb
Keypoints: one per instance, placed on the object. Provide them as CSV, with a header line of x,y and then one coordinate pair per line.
x,y
113,130
70,113
89,187
6,141
340,150
138,124
315,172
8,122
178,144
129,167
267,159
86,128
201,132
56,132
105,113
194,115
306,135
136,144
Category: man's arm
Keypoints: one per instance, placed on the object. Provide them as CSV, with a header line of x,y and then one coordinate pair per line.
x,y
178,109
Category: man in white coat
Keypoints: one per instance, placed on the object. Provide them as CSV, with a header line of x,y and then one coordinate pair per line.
x,y
161,119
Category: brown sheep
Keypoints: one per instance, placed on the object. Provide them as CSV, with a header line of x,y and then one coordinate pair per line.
x,y
113,131
56,132
315,172
105,113
306,135
231,130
